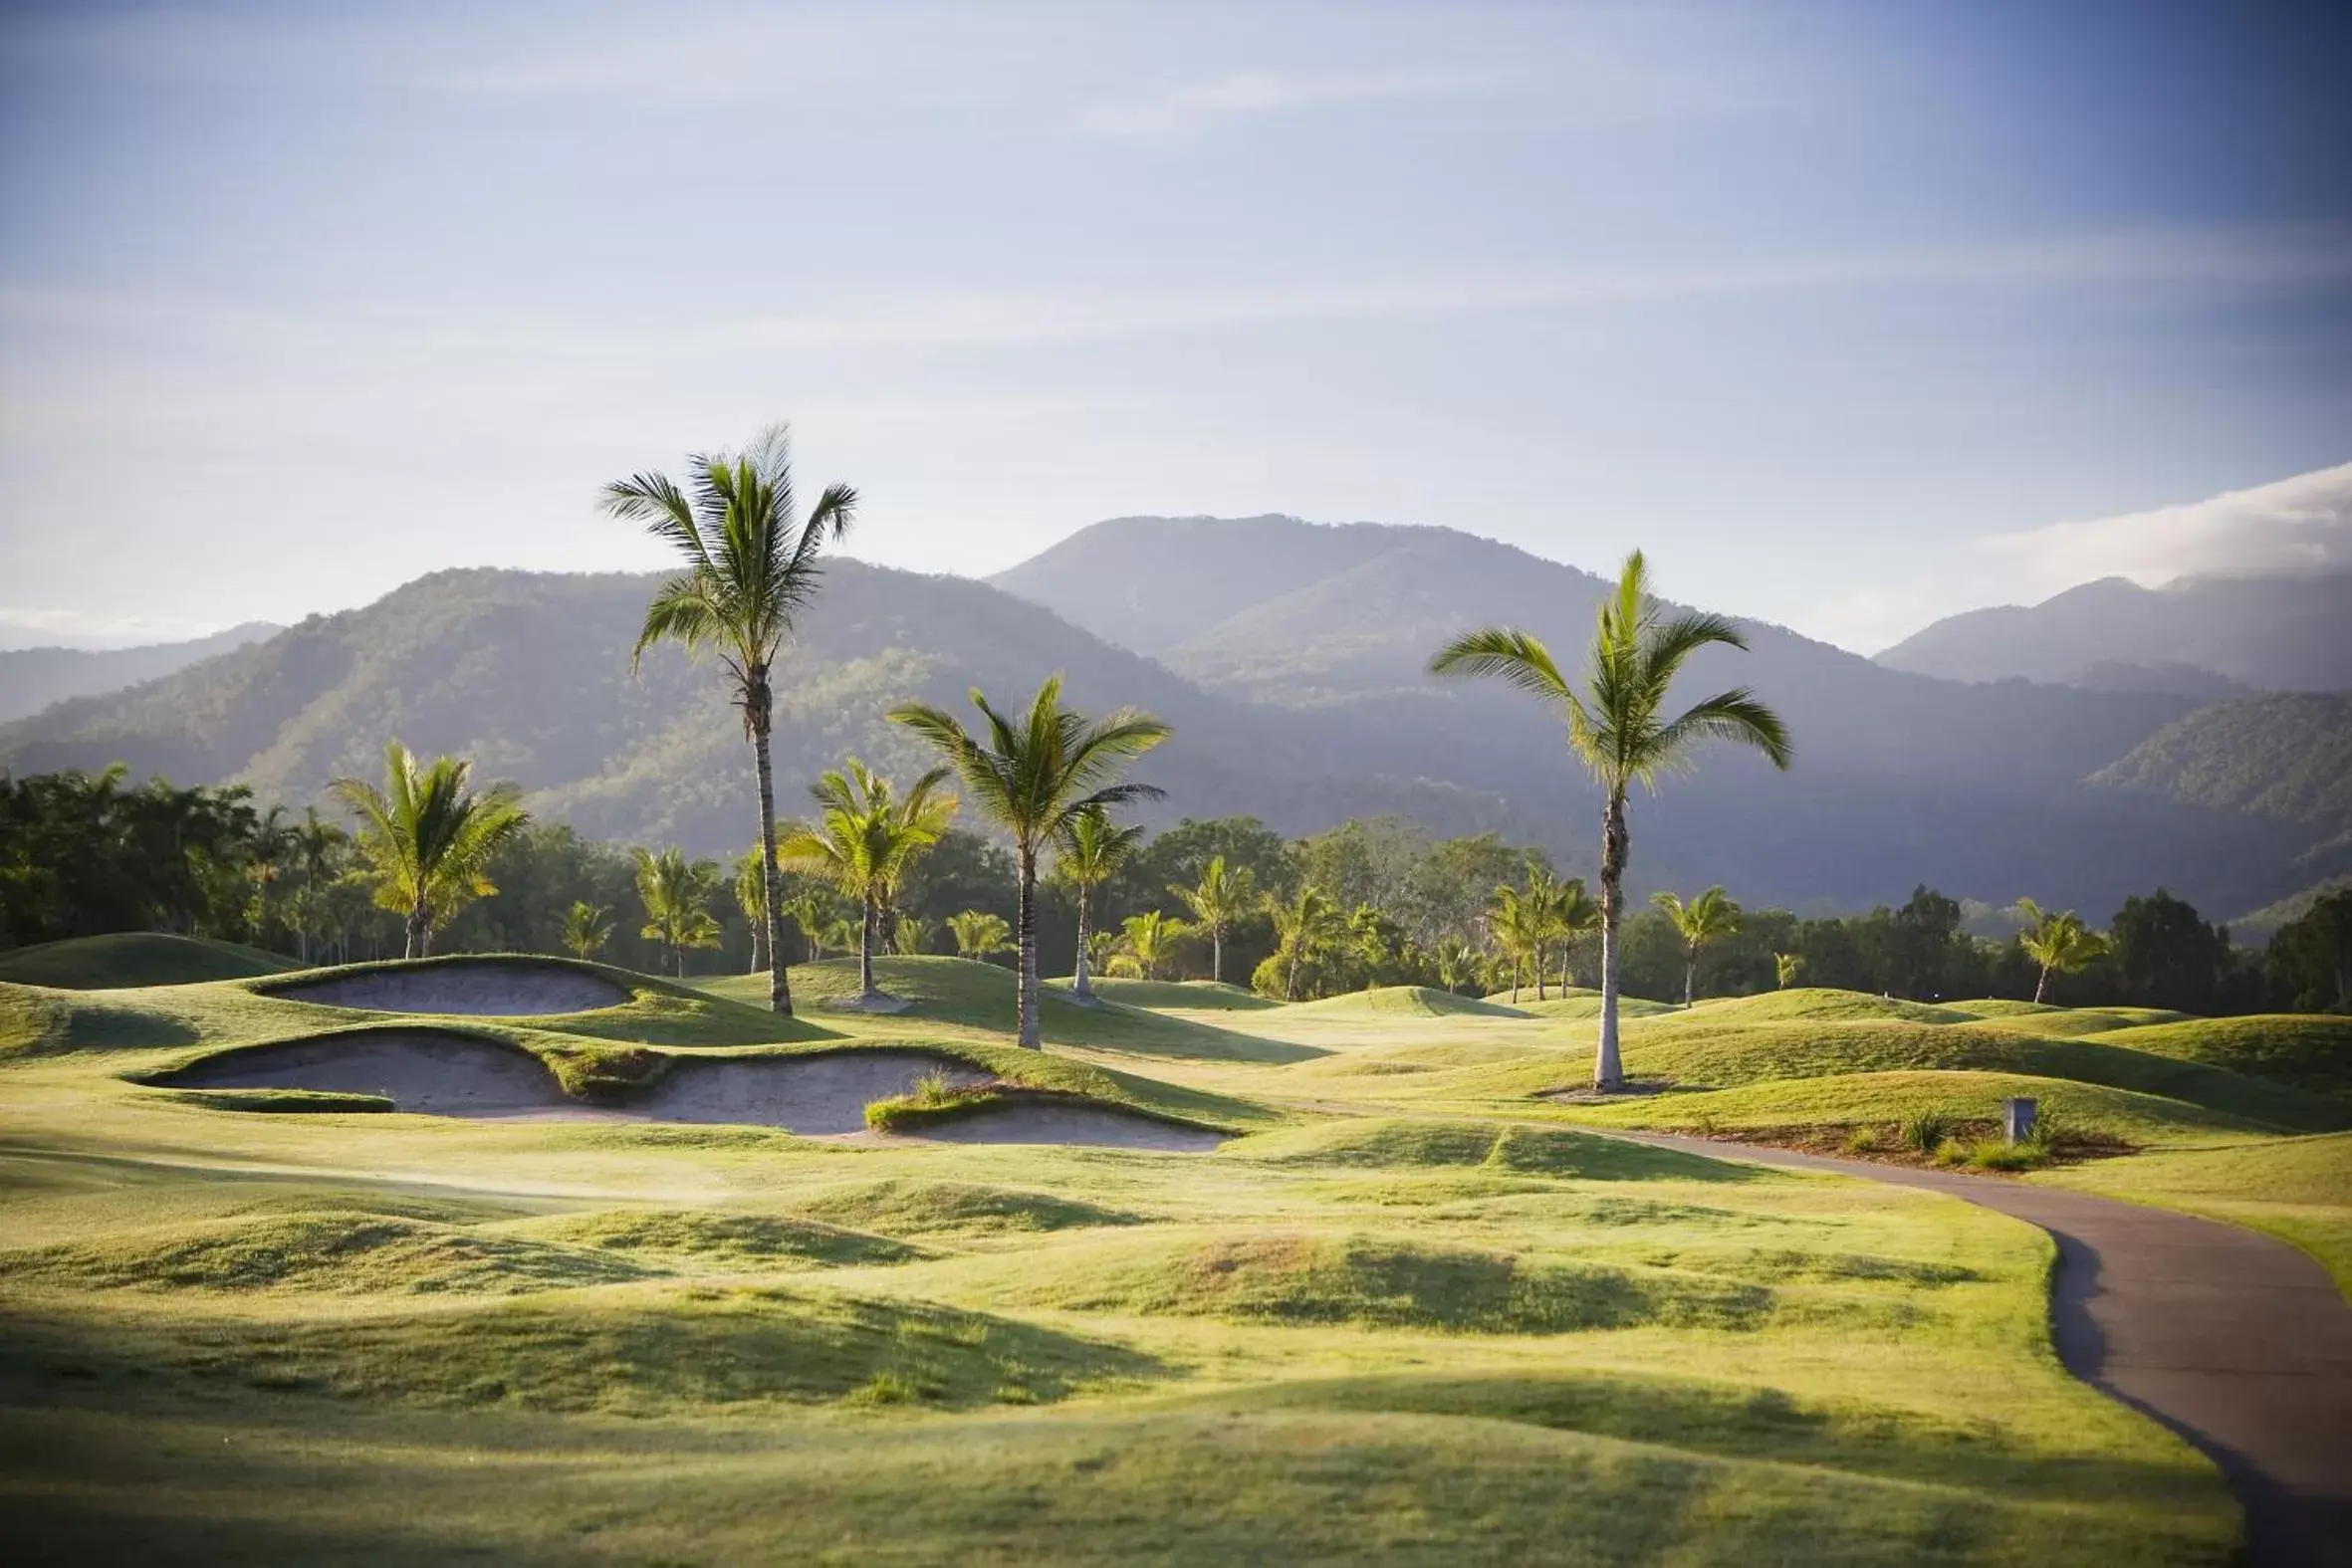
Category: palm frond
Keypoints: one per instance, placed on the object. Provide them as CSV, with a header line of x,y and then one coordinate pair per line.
x,y
1508,655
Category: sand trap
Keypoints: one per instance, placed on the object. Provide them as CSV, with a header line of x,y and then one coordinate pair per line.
x,y
416,1069
1032,1121
816,1095
488,989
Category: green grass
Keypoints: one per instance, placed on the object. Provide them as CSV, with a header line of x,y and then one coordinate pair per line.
x,y
1182,996
1818,1004
1414,1002
2311,1050
135,958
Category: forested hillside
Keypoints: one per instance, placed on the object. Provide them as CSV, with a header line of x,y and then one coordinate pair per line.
x,y
33,678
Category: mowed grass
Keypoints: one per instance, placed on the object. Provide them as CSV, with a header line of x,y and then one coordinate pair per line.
x,y
1346,1338
135,958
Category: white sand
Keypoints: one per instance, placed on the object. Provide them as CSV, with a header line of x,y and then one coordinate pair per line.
x,y
488,987
416,1069
818,1095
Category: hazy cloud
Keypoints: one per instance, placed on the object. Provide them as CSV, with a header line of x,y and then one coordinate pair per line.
x,y
71,628
1197,106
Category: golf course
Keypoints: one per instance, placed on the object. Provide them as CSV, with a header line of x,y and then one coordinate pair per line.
x,y
526,1259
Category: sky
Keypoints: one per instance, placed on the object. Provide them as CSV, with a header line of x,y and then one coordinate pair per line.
x,y
1850,314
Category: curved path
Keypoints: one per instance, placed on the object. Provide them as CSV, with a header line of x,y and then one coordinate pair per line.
x,y
2236,1341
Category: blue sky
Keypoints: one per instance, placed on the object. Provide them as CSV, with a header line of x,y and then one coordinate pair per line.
x,y
1852,315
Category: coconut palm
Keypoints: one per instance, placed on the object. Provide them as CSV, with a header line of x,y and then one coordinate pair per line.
x,y
864,840
751,895
1218,900
677,893
910,935
587,927
1458,964
1032,776
980,935
1710,917
426,836
317,843
1786,967
1568,914
1512,921
812,911
2060,942
1616,729
1149,941
1303,925
751,568
1091,849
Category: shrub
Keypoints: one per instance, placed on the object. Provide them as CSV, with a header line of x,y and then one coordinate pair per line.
x,y
1951,1152
1925,1131
1990,1156
934,1090
1862,1140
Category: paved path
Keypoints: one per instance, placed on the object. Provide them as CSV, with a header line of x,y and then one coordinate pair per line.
x,y
2236,1341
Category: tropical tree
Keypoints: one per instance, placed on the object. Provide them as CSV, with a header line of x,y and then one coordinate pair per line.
x,y
862,840
751,895
980,934
1786,967
1568,914
1090,851
910,935
1460,967
812,911
2060,942
1216,901
751,568
1149,939
318,846
1032,776
1616,728
677,893
1513,921
1710,917
1303,925
428,834
587,927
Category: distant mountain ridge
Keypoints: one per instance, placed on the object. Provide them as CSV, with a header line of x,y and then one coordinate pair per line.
x,y
1290,660
33,678
2268,632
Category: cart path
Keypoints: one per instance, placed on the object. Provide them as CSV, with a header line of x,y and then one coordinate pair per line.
x,y
2236,1341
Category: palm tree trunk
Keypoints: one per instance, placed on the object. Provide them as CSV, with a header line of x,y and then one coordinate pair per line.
x,y
1608,1067
420,930
1217,952
760,708
1290,979
756,925
866,946
1080,986
2041,985
1026,917
1540,971
1690,976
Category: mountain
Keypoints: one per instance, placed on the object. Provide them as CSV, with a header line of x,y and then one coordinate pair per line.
x,y
1290,659
33,678
2286,755
2273,634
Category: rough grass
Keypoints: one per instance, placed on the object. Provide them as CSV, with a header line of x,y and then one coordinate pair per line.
x,y
1583,1004
902,1208
703,1240
132,958
2310,1051
1178,995
1413,1002
1816,1004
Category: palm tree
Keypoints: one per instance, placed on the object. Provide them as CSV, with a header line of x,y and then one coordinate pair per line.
x,y
1615,729
750,894
862,842
980,935
1150,940
1707,918
1216,901
1568,914
2058,942
1302,924
812,910
1511,919
912,934
677,893
1458,964
428,834
1091,851
1786,967
1031,777
749,570
317,842
587,927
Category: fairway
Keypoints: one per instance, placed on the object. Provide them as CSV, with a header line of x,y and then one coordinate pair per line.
x,y
1374,1298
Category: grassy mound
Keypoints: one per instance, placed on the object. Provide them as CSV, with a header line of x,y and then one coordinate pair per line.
x,y
1499,1147
1183,996
1586,1005
1381,1282
919,1208
136,958
349,1253
714,1239
1816,1004
1408,1002
628,1351
2310,1051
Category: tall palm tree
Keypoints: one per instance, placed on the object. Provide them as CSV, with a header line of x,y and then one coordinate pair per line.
x,y
1150,940
1617,730
1219,899
751,568
1568,914
677,893
751,895
1303,924
980,935
812,910
428,834
317,842
864,838
2058,942
587,927
1091,849
1710,917
1032,776
1513,920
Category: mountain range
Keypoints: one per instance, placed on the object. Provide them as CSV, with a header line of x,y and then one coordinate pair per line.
x,y
1291,659
33,678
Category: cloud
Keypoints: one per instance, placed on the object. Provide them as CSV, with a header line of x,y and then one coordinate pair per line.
x,y
73,628
2303,523
1196,106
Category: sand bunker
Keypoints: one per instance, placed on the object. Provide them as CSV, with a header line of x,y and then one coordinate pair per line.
x,y
816,1095
483,989
1032,1121
416,1069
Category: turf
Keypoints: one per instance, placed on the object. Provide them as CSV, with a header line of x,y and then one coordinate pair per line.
x,y
1416,1001
2311,1050
135,958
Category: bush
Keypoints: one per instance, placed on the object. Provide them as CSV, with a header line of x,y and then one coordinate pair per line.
x,y
1925,1131
1862,1140
1990,1156
1951,1152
